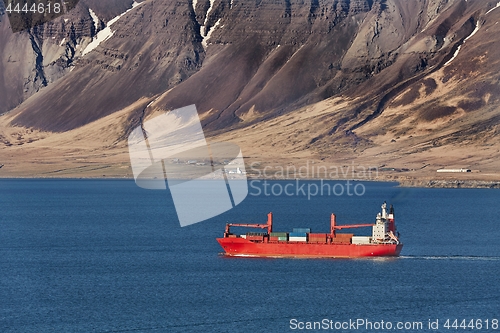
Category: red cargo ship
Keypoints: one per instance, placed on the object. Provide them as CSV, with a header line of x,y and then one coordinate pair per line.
x,y
384,240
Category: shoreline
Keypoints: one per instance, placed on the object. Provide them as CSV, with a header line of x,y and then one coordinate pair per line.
x,y
403,183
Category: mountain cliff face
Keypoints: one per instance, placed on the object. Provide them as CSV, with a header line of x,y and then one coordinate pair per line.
x,y
397,69
37,57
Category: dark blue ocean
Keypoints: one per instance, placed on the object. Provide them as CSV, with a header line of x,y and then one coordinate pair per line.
x,y
107,256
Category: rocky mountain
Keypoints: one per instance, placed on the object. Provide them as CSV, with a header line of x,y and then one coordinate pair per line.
x,y
390,76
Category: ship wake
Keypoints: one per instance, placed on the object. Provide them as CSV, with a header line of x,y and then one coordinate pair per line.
x,y
454,257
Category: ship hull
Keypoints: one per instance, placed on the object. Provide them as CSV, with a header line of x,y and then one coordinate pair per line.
x,y
243,247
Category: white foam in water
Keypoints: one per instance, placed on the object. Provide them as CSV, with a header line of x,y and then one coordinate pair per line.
x,y
468,258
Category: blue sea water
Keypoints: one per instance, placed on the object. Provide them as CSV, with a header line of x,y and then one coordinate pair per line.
x,y
107,256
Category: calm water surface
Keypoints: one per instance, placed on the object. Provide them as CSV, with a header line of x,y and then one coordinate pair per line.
x,y
107,256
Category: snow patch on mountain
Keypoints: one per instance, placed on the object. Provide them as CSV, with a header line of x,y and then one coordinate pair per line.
x,y
102,36
460,46
106,33
204,32
95,18
489,11
209,10
204,42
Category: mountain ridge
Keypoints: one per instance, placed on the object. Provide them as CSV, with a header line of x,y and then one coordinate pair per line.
x,y
394,73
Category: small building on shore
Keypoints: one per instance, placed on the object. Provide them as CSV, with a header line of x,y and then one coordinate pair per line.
x,y
454,170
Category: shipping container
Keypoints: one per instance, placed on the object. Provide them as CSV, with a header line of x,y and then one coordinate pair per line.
x,y
283,238
303,230
338,235
256,233
297,239
341,241
344,239
255,238
361,240
298,234
278,234
273,238
317,235
317,238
